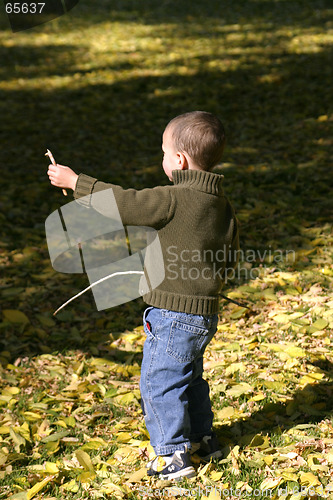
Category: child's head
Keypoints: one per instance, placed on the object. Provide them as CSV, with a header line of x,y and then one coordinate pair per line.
x,y
193,140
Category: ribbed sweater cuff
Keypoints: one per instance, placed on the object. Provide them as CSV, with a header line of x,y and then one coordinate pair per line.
x,y
83,189
204,306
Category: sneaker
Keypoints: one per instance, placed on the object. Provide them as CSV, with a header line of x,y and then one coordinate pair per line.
x,y
207,448
174,466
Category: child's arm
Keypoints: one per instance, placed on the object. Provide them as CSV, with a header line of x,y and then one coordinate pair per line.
x,y
62,177
151,207
146,207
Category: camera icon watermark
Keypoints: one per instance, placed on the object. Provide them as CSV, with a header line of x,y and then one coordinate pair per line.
x,y
122,262
24,15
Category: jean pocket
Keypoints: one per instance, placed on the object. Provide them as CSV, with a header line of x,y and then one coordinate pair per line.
x,y
147,326
186,342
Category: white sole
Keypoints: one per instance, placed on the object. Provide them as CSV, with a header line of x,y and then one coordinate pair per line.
x,y
188,472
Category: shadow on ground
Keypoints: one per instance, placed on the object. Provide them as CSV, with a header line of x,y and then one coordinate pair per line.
x,y
278,167
305,408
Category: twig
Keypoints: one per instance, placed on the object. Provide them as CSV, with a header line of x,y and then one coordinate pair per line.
x,y
96,283
50,155
241,304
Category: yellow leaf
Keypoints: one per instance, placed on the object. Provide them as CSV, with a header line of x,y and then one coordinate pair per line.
x,y
295,352
136,442
107,486
282,318
70,421
32,416
318,325
202,472
309,479
3,458
19,496
24,431
130,337
239,390
311,378
123,437
289,476
137,476
126,454
216,475
15,316
234,452
71,486
11,391
38,487
160,464
84,460
270,483
124,399
235,367
55,436
329,456
238,312
61,423
17,439
87,476
258,397
226,412
259,441
94,444
52,447
51,468
45,320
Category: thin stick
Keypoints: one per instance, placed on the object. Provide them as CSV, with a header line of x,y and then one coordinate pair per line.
x,y
240,304
50,155
96,283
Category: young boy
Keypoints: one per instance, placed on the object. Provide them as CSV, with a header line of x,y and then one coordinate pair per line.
x,y
198,234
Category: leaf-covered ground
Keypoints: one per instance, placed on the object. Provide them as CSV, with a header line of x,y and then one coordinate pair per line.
x,y
97,87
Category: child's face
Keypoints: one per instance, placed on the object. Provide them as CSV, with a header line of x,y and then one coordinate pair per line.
x,y
170,158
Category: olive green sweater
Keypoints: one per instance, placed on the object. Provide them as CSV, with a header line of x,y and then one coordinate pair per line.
x,y
197,230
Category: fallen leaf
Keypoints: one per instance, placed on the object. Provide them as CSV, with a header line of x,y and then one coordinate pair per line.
x,y
84,460
15,316
137,476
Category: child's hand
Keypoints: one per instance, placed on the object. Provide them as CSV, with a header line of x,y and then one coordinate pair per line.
x,y
62,177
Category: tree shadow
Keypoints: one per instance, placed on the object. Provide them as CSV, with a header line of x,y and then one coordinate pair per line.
x,y
292,13
270,100
30,61
309,405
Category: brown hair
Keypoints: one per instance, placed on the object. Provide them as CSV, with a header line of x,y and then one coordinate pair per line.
x,y
199,134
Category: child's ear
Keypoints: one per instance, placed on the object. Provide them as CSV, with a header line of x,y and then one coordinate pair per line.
x,y
182,163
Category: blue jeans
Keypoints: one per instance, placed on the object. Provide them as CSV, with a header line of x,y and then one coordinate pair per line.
x,y
175,398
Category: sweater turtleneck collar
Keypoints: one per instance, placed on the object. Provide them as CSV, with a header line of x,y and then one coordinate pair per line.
x,y
208,182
